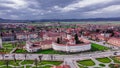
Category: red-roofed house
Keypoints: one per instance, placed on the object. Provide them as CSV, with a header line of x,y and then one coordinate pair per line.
x,y
114,41
35,46
26,35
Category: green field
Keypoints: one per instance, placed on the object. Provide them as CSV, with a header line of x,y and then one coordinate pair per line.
x,y
104,60
7,47
102,65
49,51
28,63
97,47
20,51
87,62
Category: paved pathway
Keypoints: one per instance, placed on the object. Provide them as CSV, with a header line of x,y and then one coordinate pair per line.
x,y
97,63
13,50
71,62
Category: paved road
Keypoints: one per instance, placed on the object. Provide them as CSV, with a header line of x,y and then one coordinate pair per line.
x,y
67,58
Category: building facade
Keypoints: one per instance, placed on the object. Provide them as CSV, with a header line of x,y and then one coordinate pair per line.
x,y
71,48
114,41
0,42
69,44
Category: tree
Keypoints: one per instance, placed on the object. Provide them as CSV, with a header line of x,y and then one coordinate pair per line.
x,y
14,57
25,56
36,62
7,63
76,39
40,58
58,40
15,44
3,56
51,57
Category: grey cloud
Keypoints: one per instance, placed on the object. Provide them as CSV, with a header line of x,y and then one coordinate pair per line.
x,y
43,9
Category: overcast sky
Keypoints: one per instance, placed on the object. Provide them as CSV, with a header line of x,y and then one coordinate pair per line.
x,y
58,9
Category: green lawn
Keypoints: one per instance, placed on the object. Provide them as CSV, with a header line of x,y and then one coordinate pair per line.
x,y
87,62
27,62
42,64
49,62
102,65
20,51
82,66
12,62
7,47
97,47
104,60
49,51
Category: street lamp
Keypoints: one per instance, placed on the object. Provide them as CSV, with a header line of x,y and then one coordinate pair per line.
x,y
67,48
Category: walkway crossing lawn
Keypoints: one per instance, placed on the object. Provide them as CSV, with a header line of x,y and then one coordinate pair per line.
x,y
28,64
82,66
11,62
97,47
104,60
7,47
49,64
88,62
6,67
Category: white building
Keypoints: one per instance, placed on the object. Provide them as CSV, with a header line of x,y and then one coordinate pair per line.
x,y
40,45
71,48
0,42
29,47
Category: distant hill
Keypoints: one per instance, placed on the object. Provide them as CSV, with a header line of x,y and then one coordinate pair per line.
x,y
59,20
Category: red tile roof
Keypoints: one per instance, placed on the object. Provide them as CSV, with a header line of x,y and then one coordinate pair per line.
x,y
43,42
